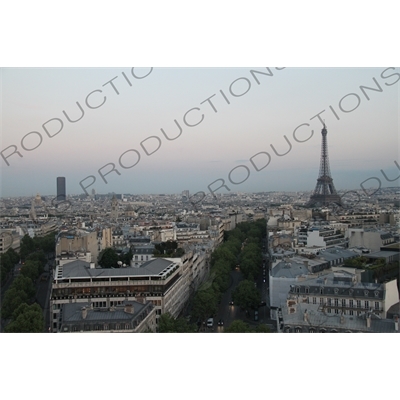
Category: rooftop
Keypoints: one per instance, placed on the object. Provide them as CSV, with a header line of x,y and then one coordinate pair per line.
x,y
320,320
81,269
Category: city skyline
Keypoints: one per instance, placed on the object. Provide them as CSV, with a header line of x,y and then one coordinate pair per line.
x,y
233,121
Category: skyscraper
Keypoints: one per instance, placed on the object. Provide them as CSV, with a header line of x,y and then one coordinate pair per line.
x,y
61,190
325,192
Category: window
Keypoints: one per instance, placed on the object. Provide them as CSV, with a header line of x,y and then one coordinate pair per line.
x,y
336,311
329,310
351,312
307,290
377,305
336,302
321,301
321,290
366,292
297,289
376,293
351,304
314,300
358,303
343,302
329,302
366,304
336,290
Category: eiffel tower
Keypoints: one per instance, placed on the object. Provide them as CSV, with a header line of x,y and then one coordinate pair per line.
x,y
325,192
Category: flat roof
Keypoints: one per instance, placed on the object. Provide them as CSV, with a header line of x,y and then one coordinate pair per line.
x,y
72,312
81,269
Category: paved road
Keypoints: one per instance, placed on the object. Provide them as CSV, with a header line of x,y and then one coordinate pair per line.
x,y
229,312
43,289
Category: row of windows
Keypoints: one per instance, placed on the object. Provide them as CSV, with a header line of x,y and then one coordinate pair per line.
x,y
112,289
347,312
336,291
345,303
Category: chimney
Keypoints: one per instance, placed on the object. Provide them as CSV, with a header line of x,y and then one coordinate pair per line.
x,y
92,265
368,320
396,323
305,316
129,308
306,264
342,318
84,312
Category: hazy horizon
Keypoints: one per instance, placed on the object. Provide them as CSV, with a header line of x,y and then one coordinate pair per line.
x,y
232,115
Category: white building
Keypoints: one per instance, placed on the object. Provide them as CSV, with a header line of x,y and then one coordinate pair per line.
x,y
372,239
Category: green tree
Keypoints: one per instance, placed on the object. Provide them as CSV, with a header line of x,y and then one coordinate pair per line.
x,y
262,328
246,295
358,262
167,324
6,266
108,258
31,269
14,256
238,326
205,304
37,256
28,319
24,284
45,243
27,246
13,298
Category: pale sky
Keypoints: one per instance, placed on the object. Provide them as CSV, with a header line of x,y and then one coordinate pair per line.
x,y
361,143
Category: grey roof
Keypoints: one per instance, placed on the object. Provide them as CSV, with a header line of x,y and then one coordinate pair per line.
x,y
81,269
383,254
321,320
72,312
289,270
337,253
295,267
340,283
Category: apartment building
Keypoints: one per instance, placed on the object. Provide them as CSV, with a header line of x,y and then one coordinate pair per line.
x,y
78,240
130,316
160,281
372,239
298,317
342,292
321,237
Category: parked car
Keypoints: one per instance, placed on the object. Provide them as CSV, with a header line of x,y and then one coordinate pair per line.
x,y
210,322
221,322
